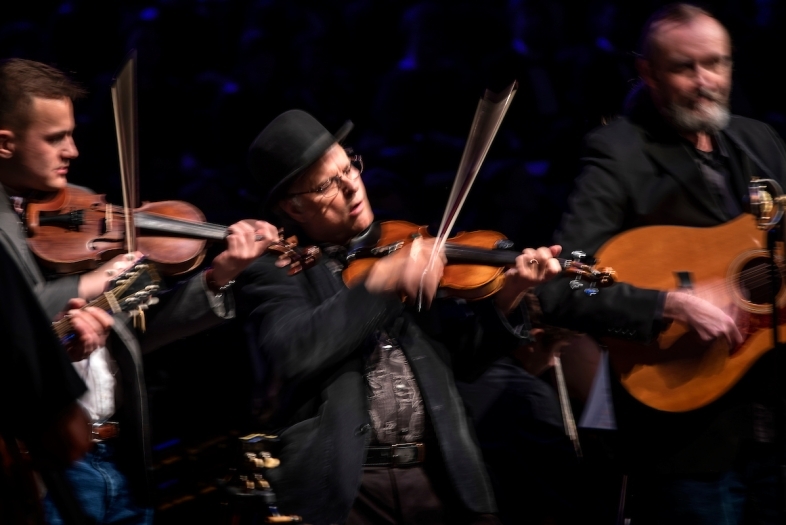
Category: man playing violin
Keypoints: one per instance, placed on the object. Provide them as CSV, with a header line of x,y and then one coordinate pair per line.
x,y
36,150
359,386
677,157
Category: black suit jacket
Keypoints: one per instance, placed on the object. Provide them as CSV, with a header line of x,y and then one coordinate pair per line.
x,y
637,171
308,334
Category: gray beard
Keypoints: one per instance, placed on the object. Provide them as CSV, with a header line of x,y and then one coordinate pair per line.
x,y
713,118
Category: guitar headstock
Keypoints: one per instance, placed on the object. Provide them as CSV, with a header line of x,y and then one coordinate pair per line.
x,y
134,289
131,291
245,485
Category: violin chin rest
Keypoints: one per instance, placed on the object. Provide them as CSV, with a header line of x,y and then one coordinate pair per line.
x,y
368,237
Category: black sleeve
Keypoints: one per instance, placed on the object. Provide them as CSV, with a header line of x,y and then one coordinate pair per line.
x,y
37,380
599,209
474,334
301,335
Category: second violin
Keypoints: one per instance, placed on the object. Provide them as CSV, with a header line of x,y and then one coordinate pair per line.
x,y
74,230
476,260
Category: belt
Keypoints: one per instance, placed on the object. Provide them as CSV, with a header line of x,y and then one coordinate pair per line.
x,y
395,455
104,431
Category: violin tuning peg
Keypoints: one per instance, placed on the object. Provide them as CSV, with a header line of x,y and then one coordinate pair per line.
x,y
295,268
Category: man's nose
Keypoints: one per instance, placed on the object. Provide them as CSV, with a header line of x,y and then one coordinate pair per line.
x,y
349,185
703,77
70,151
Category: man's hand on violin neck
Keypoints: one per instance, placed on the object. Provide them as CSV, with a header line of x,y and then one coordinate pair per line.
x,y
92,284
406,273
533,267
246,240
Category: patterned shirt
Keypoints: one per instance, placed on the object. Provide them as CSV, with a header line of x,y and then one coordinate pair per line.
x,y
395,404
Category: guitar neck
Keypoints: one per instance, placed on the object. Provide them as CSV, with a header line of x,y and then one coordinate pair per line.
x,y
179,227
63,328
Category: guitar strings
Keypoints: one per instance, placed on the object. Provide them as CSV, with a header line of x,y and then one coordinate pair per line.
x,y
750,278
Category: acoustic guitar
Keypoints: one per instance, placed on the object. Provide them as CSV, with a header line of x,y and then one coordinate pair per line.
x,y
728,265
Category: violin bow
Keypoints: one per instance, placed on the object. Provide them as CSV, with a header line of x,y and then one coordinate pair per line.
x,y
124,101
491,109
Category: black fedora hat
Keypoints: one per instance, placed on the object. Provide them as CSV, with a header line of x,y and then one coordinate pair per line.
x,y
292,142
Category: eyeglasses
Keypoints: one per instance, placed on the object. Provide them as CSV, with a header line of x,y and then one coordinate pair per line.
x,y
329,188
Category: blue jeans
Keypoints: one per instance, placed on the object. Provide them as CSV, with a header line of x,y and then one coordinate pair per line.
x,y
746,494
102,491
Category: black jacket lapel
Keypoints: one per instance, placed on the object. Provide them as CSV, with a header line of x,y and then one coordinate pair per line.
x,y
673,158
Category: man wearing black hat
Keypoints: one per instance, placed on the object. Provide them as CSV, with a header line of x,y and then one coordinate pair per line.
x,y
360,388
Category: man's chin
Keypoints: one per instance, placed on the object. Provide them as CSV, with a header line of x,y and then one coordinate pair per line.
x,y
55,185
364,220
706,118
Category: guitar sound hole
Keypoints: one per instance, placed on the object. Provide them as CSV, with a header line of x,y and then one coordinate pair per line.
x,y
755,279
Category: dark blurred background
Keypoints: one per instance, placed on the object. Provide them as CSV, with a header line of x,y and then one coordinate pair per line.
x,y
409,74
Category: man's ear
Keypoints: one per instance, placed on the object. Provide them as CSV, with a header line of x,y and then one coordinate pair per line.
x,y
293,208
645,69
7,143
537,334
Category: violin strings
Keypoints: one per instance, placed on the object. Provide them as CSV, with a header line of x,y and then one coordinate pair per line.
x,y
203,226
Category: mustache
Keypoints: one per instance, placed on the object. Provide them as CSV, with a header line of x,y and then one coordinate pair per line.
x,y
711,95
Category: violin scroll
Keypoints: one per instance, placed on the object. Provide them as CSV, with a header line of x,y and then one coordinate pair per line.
x,y
583,268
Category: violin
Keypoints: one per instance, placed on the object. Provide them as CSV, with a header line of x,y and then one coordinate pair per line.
x,y
476,261
75,230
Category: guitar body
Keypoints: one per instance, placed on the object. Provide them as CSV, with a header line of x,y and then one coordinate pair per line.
x,y
728,265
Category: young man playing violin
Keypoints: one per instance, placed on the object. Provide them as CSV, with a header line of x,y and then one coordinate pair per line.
x,y
36,149
359,385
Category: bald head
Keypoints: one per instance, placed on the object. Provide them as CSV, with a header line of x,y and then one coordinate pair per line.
x,y
669,17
